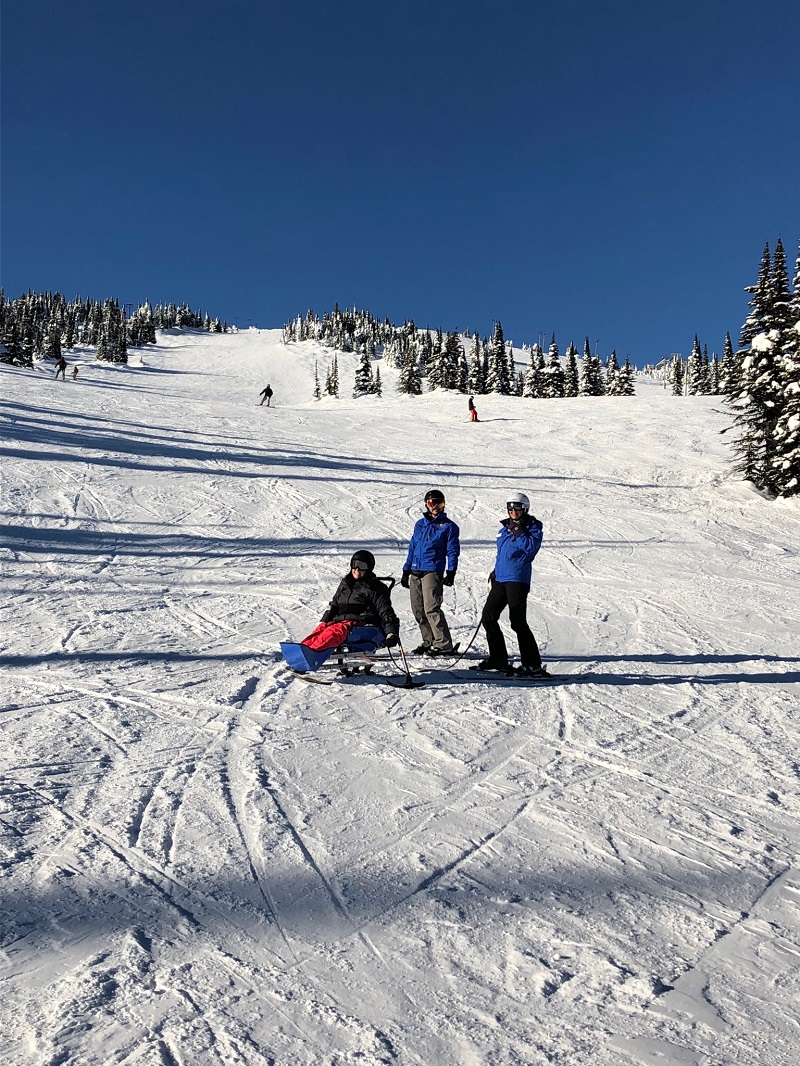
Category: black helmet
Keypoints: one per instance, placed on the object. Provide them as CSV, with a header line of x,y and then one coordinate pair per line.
x,y
434,494
363,560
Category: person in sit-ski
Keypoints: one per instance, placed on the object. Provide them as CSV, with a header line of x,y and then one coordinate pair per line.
x,y
434,548
361,600
518,541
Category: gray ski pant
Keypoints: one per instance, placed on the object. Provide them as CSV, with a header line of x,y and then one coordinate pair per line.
x,y
426,603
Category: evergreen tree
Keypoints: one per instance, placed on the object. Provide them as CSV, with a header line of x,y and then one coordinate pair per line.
x,y
377,387
410,380
758,319
498,378
571,381
757,398
627,387
553,377
694,370
476,381
533,385
677,376
364,380
612,375
317,390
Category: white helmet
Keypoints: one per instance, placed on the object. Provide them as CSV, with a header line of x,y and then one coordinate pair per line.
x,y
521,499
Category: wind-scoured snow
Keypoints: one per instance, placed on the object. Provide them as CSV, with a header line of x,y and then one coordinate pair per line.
x,y
206,860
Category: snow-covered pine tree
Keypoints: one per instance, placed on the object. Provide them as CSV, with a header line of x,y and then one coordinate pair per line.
x,y
451,352
571,381
591,380
612,382
409,381
498,379
475,380
786,461
532,387
627,387
756,400
758,319
553,377
694,369
364,379
377,387
317,390
677,375
463,371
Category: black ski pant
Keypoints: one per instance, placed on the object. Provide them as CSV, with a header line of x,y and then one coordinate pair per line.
x,y
514,595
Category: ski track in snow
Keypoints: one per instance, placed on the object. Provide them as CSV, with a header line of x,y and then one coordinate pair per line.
x,y
207,861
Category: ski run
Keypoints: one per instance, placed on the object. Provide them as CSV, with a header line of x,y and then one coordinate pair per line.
x,y
206,861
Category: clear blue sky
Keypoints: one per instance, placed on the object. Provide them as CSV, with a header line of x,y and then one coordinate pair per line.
x,y
610,169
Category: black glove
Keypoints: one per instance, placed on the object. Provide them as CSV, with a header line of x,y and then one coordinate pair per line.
x,y
391,640
404,580
449,577
491,578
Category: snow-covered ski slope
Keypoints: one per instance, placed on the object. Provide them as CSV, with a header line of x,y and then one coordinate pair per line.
x,y
208,861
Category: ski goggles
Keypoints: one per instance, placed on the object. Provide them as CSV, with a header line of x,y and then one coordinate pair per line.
x,y
514,507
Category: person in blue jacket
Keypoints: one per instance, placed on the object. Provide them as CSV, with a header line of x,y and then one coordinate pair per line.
x,y
434,549
518,541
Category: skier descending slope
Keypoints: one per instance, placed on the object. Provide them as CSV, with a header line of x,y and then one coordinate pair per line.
x,y
518,541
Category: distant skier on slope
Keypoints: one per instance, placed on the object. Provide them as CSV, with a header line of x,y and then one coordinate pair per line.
x,y
473,411
61,368
518,541
267,395
434,548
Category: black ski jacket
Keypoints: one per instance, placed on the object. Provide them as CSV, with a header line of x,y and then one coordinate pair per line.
x,y
366,602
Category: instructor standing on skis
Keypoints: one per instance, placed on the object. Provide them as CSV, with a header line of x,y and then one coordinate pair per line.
x,y
434,547
518,541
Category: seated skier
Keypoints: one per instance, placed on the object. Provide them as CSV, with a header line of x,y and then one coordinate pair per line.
x,y
360,613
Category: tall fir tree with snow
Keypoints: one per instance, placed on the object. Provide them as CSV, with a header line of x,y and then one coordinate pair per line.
x,y
676,374
451,354
364,379
758,319
409,381
532,387
714,375
463,371
317,389
786,461
612,381
694,370
498,378
756,400
730,369
377,385
476,383
553,376
571,378
591,378
626,375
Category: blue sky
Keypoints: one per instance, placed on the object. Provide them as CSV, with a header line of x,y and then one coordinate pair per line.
x,y
603,169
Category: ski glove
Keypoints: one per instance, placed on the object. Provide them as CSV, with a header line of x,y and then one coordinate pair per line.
x,y
404,580
391,640
449,577
491,578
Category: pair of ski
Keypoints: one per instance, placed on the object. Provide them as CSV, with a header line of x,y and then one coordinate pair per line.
x,y
473,673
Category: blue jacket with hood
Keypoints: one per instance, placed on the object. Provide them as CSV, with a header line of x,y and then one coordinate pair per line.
x,y
434,545
517,545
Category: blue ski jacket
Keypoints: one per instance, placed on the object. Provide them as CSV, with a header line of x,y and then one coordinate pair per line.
x,y
516,550
434,545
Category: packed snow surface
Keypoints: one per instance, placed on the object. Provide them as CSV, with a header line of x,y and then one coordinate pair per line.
x,y
207,860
